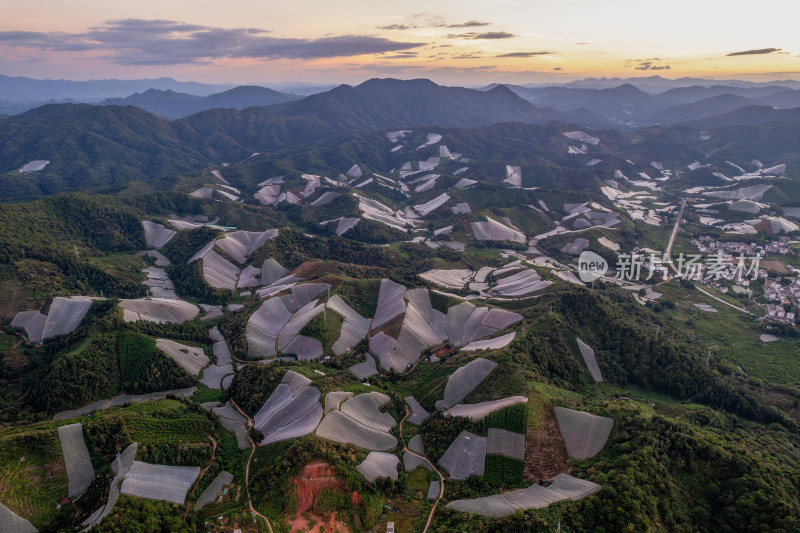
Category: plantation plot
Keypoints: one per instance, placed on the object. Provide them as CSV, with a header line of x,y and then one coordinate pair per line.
x,y
465,457
213,491
212,376
466,323
159,482
410,461
572,487
591,362
366,409
390,302
190,358
160,284
159,310
295,381
325,198
464,380
378,465
222,353
451,279
334,399
248,277
366,369
304,348
533,497
219,272
360,422
339,427
264,326
240,244
432,205
491,344
270,195
303,294
293,410
354,328
526,282
494,506
64,316
479,411
76,458
272,271
32,322
233,422
584,434
513,176
156,235
10,522
295,324
575,247
382,345
345,224
433,490
374,210
461,208
120,466
418,413
407,350
506,443
492,230
354,172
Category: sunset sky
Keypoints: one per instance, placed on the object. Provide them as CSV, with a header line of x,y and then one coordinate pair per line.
x,y
348,41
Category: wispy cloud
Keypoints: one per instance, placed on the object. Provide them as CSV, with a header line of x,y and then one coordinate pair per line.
x,y
165,42
526,54
401,55
469,24
757,52
474,36
427,20
646,64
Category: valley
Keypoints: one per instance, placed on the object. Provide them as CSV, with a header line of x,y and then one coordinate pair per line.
x,y
338,312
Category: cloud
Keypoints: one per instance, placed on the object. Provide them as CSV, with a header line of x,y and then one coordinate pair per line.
x,y
474,36
422,20
467,56
557,68
760,51
469,24
166,42
400,55
526,54
648,65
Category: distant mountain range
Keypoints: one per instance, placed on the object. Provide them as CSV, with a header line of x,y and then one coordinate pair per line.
x,y
170,104
94,147
627,105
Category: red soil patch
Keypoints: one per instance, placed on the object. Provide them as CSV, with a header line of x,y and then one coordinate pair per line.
x,y
313,479
441,352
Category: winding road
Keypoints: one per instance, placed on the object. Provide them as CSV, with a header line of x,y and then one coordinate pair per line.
x,y
441,477
247,467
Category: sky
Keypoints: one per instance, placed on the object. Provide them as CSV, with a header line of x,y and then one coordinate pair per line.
x,y
349,41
